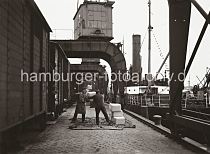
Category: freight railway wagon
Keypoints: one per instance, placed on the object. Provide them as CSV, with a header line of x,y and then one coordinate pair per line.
x,y
59,87
24,41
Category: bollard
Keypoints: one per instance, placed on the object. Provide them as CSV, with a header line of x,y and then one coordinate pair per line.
x,y
157,119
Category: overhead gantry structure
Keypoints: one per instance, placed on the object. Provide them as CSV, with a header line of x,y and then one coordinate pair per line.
x,y
99,49
179,21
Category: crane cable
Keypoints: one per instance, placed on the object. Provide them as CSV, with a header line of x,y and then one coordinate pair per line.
x,y
143,40
159,49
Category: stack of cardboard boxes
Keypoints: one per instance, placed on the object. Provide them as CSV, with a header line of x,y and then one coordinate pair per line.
x,y
117,114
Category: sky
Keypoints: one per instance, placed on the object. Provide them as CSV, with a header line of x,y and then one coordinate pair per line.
x,y
131,17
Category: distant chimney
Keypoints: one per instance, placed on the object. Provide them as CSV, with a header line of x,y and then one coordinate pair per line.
x,y
137,54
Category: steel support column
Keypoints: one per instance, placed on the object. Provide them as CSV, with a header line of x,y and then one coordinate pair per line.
x,y
179,20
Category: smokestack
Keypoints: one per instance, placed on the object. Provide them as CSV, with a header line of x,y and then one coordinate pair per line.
x,y
137,54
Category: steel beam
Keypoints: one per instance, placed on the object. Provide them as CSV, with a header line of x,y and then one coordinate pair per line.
x,y
201,10
164,61
179,20
93,49
195,114
192,124
97,49
196,47
198,119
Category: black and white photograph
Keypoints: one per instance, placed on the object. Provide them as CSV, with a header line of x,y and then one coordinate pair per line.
x,y
104,76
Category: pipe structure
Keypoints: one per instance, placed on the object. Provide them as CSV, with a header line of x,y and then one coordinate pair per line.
x,y
149,39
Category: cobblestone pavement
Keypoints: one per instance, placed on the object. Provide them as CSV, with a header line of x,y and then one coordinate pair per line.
x,y
58,139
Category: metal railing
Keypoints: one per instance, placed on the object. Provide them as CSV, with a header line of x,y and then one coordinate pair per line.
x,y
153,100
164,100
62,34
196,101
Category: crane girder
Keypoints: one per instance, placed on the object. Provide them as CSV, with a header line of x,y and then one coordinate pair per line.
x,y
179,21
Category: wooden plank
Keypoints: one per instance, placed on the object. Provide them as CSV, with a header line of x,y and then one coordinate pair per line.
x,y
3,48
3,88
3,109
36,97
14,94
3,17
3,65
16,86
12,113
15,35
3,30
22,121
3,41
15,24
14,71
3,77
27,60
16,11
14,106
16,40
15,59
15,66
26,91
16,47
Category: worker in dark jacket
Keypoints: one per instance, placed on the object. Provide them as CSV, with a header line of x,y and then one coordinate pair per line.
x,y
100,106
81,106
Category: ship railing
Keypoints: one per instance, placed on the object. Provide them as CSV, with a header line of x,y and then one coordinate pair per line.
x,y
196,101
164,100
153,100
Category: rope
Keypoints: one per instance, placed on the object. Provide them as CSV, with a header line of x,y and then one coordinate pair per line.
x,y
143,39
160,51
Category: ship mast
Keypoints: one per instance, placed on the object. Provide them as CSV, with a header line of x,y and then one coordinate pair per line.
x,y
149,39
